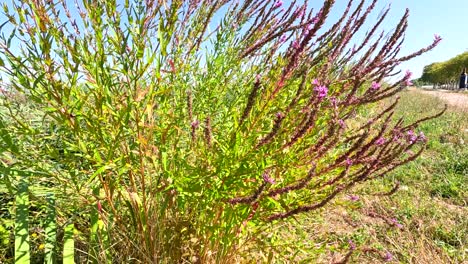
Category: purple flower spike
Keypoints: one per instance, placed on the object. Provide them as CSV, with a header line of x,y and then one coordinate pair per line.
x,y
375,86
295,44
317,17
388,257
267,178
437,38
352,246
342,123
195,124
408,74
396,224
299,13
411,136
283,38
322,91
279,115
422,137
380,141
278,3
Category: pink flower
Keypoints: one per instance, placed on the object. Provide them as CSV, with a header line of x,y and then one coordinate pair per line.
x,y
408,74
380,141
322,91
317,17
279,115
99,206
422,137
352,246
411,136
349,162
295,44
195,124
283,38
267,178
307,29
353,197
408,83
299,13
388,256
396,224
278,3
375,86
397,135
315,82
342,123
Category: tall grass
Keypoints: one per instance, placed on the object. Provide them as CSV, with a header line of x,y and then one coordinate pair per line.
x,y
22,241
50,248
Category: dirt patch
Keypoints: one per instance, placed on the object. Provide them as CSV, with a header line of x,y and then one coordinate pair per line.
x,y
455,99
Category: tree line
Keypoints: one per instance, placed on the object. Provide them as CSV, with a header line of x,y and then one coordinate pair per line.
x,y
444,74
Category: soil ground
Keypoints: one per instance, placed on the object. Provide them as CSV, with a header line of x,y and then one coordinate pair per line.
x,y
457,99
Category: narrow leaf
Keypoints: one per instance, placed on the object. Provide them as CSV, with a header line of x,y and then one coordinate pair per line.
x,y
68,245
21,223
50,230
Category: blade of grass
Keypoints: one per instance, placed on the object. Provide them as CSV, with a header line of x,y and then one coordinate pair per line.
x,y
22,255
50,230
68,245
94,247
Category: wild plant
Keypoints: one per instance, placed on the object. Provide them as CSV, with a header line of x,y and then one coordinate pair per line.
x,y
179,126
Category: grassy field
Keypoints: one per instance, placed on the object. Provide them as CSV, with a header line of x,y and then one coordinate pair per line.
x,y
424,221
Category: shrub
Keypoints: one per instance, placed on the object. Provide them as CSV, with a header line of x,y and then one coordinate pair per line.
x,y
175,127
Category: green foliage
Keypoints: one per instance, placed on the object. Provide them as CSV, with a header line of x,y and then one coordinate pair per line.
x,y
445,72
69,244
22,241
50,232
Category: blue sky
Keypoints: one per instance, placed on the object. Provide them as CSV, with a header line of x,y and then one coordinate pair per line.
x,y
447,18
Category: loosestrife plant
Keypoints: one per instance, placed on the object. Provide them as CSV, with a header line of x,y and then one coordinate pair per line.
x,y
185,123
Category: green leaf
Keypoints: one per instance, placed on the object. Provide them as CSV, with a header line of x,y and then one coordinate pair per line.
x,y
68,245
161,37
7,138
22,255
94,235
50,230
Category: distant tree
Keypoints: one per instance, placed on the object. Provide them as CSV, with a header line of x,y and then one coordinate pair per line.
x,y
445,73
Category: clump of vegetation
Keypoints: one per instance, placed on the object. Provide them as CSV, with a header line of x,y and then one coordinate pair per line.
x,y
165,133
446,73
